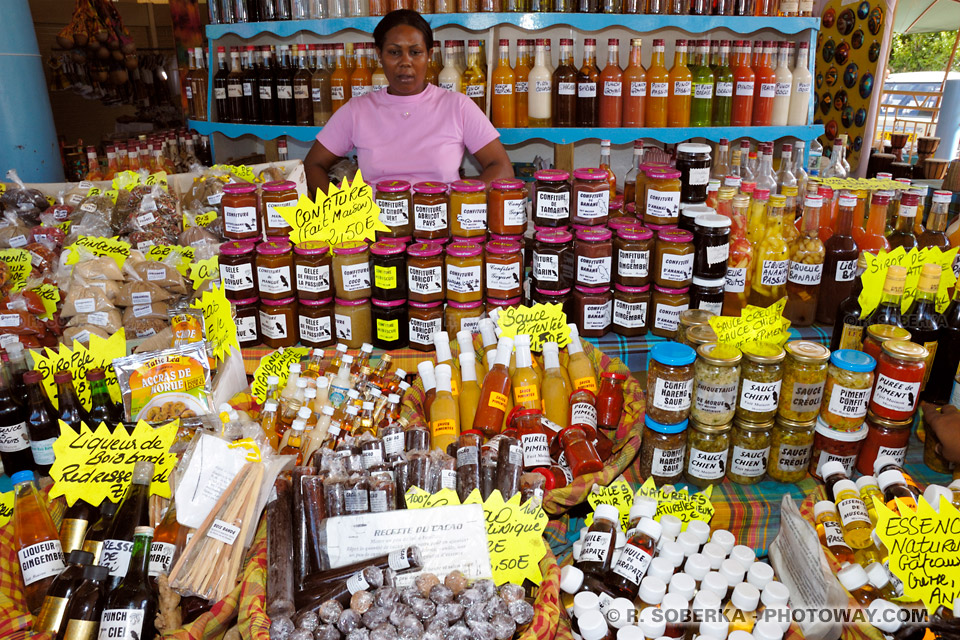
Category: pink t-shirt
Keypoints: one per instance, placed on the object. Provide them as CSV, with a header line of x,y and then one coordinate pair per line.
x,y
414,138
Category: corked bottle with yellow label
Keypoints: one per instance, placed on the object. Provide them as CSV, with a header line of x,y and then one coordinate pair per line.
x,y
922,320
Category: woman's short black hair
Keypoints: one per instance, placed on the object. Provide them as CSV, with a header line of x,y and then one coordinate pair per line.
x,y
400,17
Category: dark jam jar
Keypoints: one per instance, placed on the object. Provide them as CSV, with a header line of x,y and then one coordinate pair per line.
x,y
237,270
553,260
248,322
631,309
388,270
593,310
317,323
277,194
711,241
278,323
594,253
562,297
390,328
707,294
591,197
396,206
693,161
241,214
632,250
551,205
312,261
275,270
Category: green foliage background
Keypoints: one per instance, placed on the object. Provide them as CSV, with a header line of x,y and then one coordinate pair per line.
x,y
921,51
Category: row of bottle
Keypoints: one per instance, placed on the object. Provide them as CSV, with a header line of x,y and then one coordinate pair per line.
x,y
175,152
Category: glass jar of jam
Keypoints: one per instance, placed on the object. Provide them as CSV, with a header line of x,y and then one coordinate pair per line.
x,y
877,334
631,256
312,262
662,190
579,452
495,304
463,316
504,269
273,195
689,319
593,310
241,217
631,306
388,261
707,294
468,209
395,202
830,444
351,270
275,270
431,210
425,272
900,372
278,322
390,326
693,162
353,323
591,197
616,224
551,206
247,317
666,306
507,205
553,260
673,259
464,263
711,241
884,438
615,210
236,270
316,322
689,214
426,319
562,297
594,252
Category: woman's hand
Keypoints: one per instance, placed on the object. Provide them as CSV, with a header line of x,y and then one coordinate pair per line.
x,y
945,422
315,167
495,162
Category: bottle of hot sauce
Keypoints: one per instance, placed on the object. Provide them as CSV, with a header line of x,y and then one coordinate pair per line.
x,y
587,79
658,79
765,87
634,88
744,78
521,88
681,81
495,391
503,108
611,83
565,87
339,80
723,82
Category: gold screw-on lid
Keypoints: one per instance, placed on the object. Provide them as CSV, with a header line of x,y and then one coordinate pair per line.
x,y
711,429
693,317
701,334
883,332
903,350
748,425
763,352
722,355
807,351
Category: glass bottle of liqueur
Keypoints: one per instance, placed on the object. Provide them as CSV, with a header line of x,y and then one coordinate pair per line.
x,y
872,238
39,553
475,76
41,418
320,93
681,80
902,234
340,79
540,97
434,67
81,620
235,102
521,86
302,78
835,169
565,87
740,264
131,607
588,104
701,105
102,406
16,367
605,164
839,263
611,88
744,80
266,88
658,84
799,162
630,180
133,512
51,616
771,259
766,178
934,233
888,311
15,453
721,165
800,89
849,326
806,268
286,109
220,87
723,80
765,85
450,78
168,541
946,365
634,88
361,79
922,320
785,176
503,107
77,519
93,539
784,85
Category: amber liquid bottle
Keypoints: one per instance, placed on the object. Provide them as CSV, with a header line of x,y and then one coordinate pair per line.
x,y
220,87
521,87
658,85
839,263
267,89
76,521
54,608
611,88
38,547
168,541
340,80
131,608
15,451
320,92
565,87
922,320
302,104
133,512
495,392
588,104
634,88
503,104
93,540
82,619
42,420
475,76
235,88
681,83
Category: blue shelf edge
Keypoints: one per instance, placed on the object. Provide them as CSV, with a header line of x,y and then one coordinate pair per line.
x,y
529,21
551,134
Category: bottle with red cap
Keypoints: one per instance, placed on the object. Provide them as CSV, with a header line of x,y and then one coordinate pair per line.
x,y
744,80
611,87
610,399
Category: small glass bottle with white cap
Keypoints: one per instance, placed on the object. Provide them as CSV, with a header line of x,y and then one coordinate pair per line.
x,y
880,580
743,555
652,590
662,569
642,508
673,552
700,529
773,605
593,626
767,631
716,583
741,611
714,553
725,539
632,564
697,567
652,623
571,579
760,574
600,541
707,607
733,573
682,585
688,543
885,616
855,580
676,610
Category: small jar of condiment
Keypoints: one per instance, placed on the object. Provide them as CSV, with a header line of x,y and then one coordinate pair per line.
x,y
593,310
750,453
507,207
707,294
496,304
241,217
273,195
688,319
563,297
352,319
884,438
396,202
877,334
760,380
390,324
622,222
662,196
275,270
388,261
830,444
468,209
247,317
667,305
900,371
616,208
662,450
431,210
504,272
689,214
708,447
670,382
551,207
594,253
631,308
579,452
631,256
700,334
351,270
716,378
553,260
693,162
426,319
791,446
464,264
278,322
673,259
591,196
237,260
316,322
312,261
460,316
846,392
804,374
425,272
711,239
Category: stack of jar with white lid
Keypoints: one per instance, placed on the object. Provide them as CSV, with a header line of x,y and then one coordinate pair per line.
x,y
657,581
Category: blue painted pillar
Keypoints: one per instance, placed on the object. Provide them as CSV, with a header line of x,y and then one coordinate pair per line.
x,y
948,126
28,138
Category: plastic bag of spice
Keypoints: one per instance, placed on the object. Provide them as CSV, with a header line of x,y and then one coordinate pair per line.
x,y
24,202
156,219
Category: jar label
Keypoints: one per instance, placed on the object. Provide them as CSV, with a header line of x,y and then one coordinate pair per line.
x,y
247,330
672,395
632,563
724,89
356,501
593,204
768,89
659,89
805,274
744,88
266,92
783,89
848,402
14,437
716,398
554,206
846,461
749,463
421,331
546,267
713,307
736,280
470,323
612,89
445,427
503,89
536,450
846,270
467,456
897,453
393,443
464,279
633,264
189,91
663,204
630,315
896,395
595,271
498,401
273,326
707,465
803,87
522,87
674,267
394,213
567,88
425,281
220,93
240,219
472,217
430,217
448,86
344,327
667,318
503,277
42,451
316,94
384,277
515,212
161,558
703,91
774,272
476,90
315,329
718,254
698,176
356,277
667,462
759,396
853,510
596,546
583,413
587,89
336,92
274,279
274,219
638,89
793,457
313,279
806,397
596,317
114,555
833,535
526,393
681,87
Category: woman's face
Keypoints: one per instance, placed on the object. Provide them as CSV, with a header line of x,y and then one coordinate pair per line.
x,y
405,58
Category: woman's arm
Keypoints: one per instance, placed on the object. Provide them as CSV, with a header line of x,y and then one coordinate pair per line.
x,y
493,158
315,166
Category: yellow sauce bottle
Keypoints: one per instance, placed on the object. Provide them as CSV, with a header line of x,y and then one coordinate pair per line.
x,y
526,385
444,413
441,344
869,489
582,373
555,392
469,391
853,514
465,339
488,334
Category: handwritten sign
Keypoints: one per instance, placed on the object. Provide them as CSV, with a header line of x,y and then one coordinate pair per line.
x,y
78,360
682,504
6,507
113,247
275,364
126,180
418,498
18,266
160,253
755,324
347,213
203,270
241,171
220,327
542,322
98,464
923,549
866,184
913,261
619,494
199,220
50,295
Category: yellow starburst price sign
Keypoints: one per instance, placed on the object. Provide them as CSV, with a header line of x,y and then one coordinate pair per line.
x,y
682,504
542,322
218,321
619,494
78,360
913,261
755,324
340,215
6,507
277,364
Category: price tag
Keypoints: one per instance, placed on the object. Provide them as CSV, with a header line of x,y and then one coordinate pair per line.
x,y
618,494
18,266
542,322
913,261
755,324
113,247
275,364
220,327
78,360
